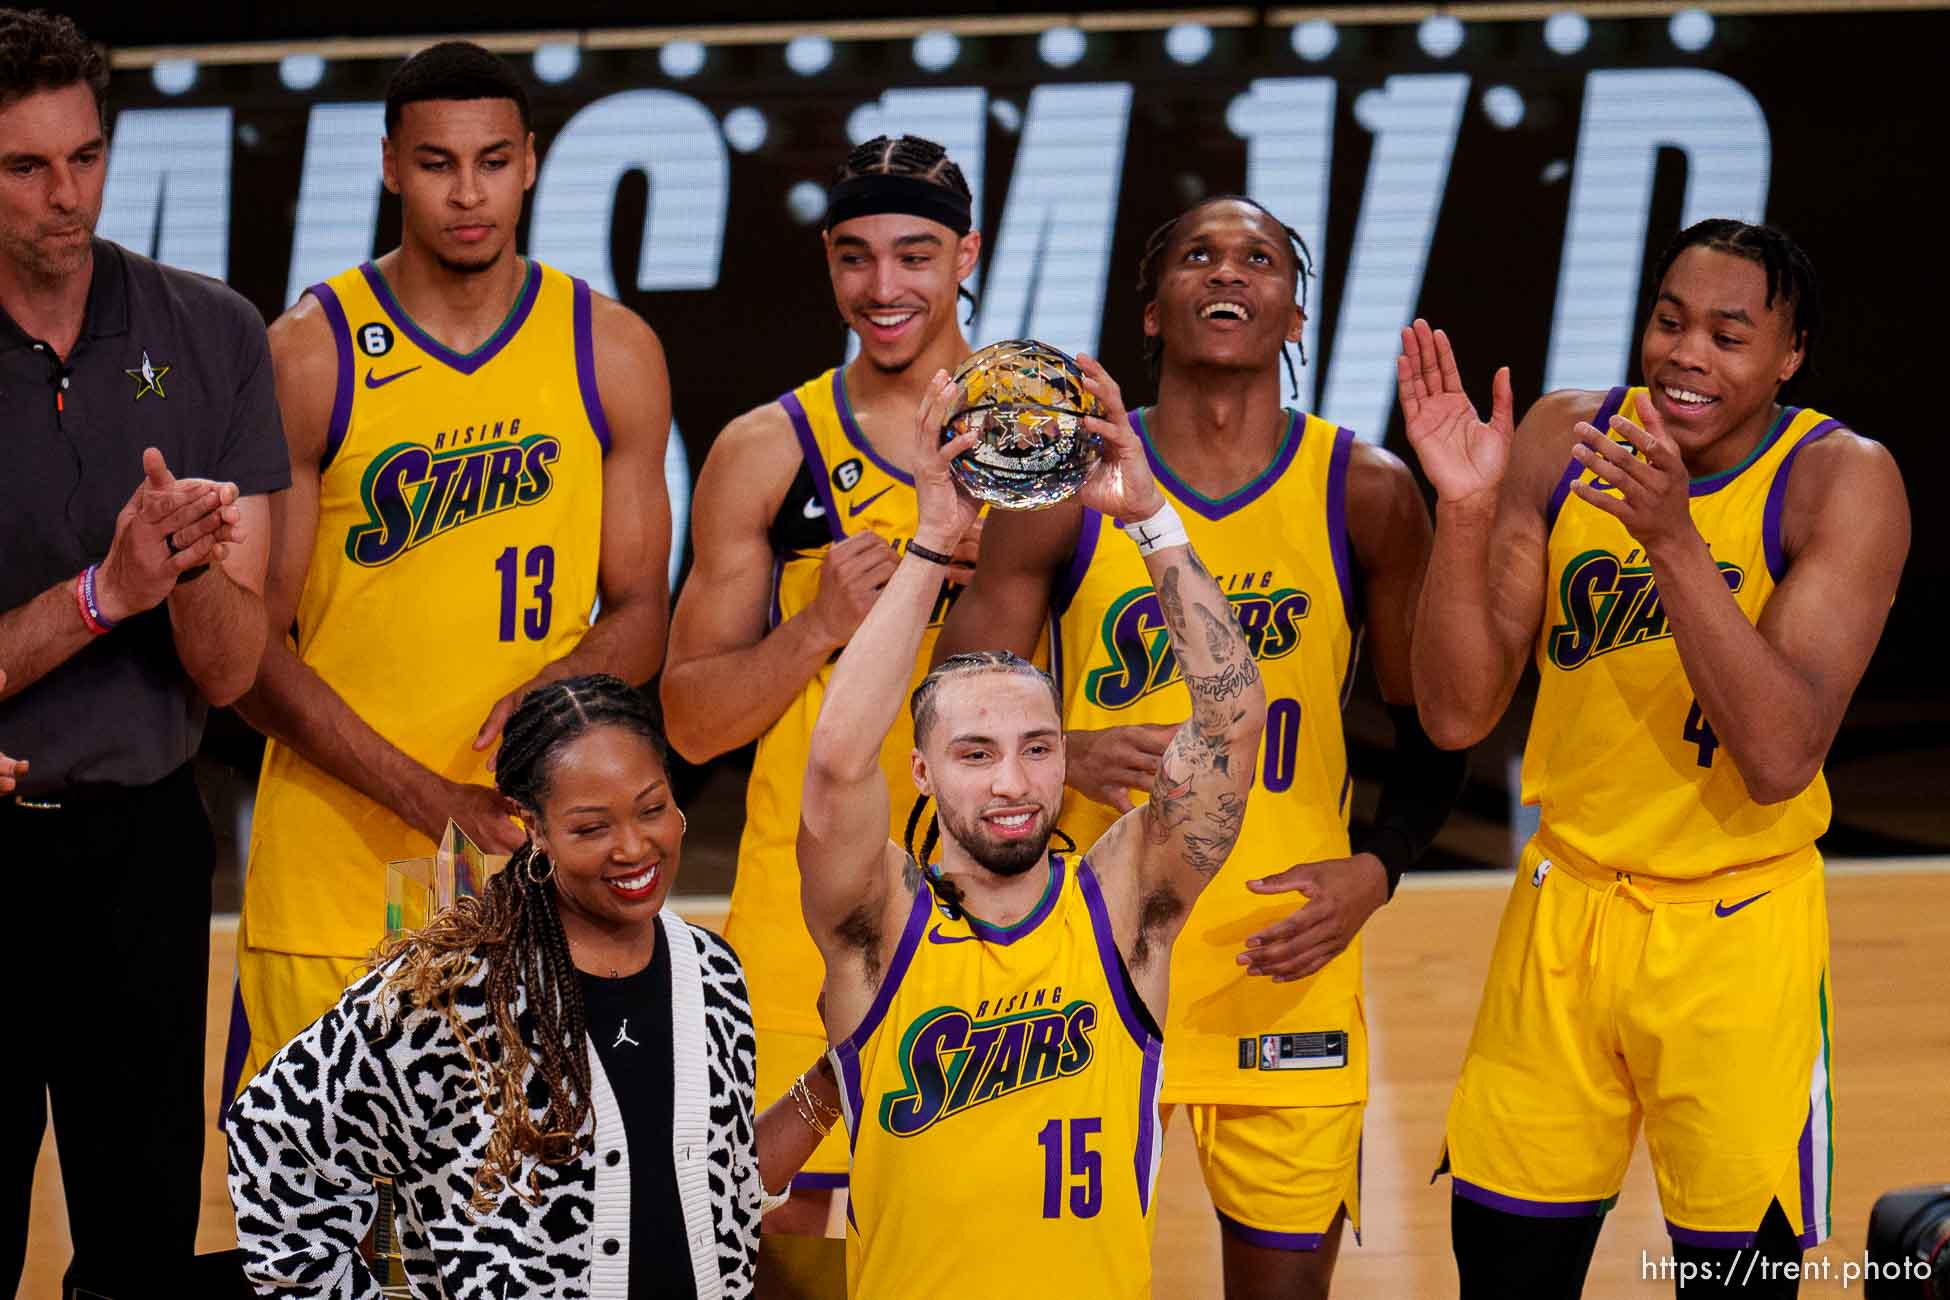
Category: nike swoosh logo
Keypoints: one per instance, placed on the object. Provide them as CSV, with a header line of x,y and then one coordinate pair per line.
x,y
1721,909
935,936
382,382
854,508
813,510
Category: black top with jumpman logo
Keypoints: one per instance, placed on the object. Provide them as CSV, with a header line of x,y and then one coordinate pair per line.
x,y
629,1021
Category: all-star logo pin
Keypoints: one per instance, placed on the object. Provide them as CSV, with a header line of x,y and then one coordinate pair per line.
x,y
149,378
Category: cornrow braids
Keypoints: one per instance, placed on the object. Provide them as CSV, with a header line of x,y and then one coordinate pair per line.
x,y
915,156
1153,349
920,704
946,892
1790,273
514,929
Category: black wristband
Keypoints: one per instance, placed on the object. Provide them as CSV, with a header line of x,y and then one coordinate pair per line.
x,y
1395,849
932,557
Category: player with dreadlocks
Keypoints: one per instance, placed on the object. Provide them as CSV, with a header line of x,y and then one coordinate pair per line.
x,y
1700,574
1314,536
562,1052
799,510
992,1011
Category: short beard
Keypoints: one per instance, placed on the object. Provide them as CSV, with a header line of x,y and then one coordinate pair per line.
x,y
1003,858
458,267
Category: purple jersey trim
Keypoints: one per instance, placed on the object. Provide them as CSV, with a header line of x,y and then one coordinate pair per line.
x,y
853,432
809,448
819,1182
1245,496
1093,898
1770,523
1008,934
237,1049
1710,1240
1711,483
328,301
847,1052
1531,1209
1805,1154
1147,1137
1267,1238
592,400
776,614
1089,529
1601,421
1337,519
469,362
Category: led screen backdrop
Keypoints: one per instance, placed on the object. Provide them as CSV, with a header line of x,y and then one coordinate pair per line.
x,y
1510,180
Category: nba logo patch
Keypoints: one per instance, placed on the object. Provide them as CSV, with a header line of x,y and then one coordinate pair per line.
x,y
1537,876
1269,1052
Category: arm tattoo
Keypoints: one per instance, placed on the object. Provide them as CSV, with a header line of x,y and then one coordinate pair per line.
x,y
1193,800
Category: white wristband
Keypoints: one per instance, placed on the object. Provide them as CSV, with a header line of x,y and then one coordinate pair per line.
x,y
1161,530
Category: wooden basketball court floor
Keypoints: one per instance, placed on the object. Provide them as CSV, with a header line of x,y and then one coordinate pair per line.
x,y
1427,952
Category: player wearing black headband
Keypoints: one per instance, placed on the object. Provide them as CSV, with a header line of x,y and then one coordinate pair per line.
x,y
800,510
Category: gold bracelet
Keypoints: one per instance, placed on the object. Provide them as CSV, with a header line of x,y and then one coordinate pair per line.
x,y
810,1119
832,1113
818,1116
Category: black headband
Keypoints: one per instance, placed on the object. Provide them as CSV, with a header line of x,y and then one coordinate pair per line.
x,y
874,193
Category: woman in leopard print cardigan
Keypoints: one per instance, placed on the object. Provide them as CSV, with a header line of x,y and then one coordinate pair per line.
x,y
462,1068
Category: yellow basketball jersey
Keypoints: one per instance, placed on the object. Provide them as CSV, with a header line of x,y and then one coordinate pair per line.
x,y
845,488
459,527
1278,548
1001,1095
1626,768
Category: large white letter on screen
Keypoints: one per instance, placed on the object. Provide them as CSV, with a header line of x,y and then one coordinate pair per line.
x,y
675,141
1051,261
338,194
1414,121
1288,126
168,190
1628,117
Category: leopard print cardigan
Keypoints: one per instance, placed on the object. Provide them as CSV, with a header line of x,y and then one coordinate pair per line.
x,y
370,1092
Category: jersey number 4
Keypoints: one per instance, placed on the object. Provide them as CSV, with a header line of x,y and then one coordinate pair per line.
x,y
533,617
1700,732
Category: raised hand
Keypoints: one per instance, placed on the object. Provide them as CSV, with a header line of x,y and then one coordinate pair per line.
x,y
168,527
946,510
1654,488
1462,455
1121,485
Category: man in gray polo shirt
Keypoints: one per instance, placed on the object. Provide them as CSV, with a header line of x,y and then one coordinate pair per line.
x,y
141,436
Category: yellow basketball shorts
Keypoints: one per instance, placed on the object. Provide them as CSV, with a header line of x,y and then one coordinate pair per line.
x,y
783,1057
1699,1010
1278,1175
278,995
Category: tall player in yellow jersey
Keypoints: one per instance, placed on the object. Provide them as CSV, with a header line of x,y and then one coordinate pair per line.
x,y
794,514
1700,574
477,447
994,1015
1314,536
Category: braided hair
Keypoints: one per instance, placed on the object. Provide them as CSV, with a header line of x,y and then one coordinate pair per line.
x,y
1153,348
1790,274
921,706
514,929
909,155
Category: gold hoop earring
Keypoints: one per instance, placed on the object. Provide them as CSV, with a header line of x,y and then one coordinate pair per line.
x,y
683,821
535,855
